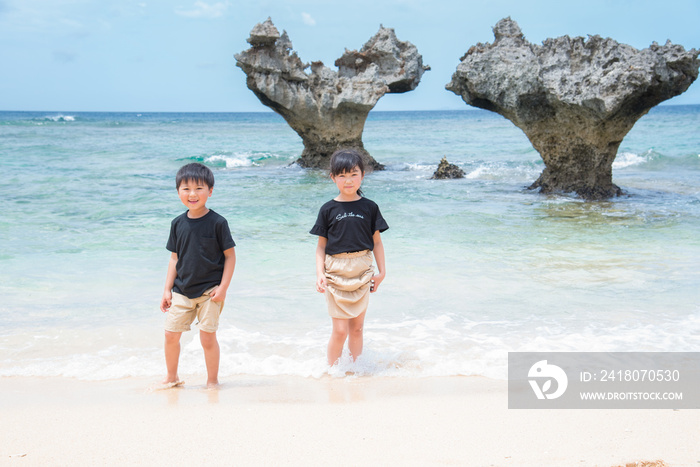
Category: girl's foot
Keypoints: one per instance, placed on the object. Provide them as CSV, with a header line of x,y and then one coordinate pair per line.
x,y
165,384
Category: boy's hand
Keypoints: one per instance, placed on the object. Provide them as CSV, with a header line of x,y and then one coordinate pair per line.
x,y
218,295
321,284
376,280
166,301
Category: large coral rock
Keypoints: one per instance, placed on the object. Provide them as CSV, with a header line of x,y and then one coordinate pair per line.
x,y
575,99
326,108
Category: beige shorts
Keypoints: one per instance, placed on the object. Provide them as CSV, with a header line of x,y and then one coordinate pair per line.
x,y
184,310
348,277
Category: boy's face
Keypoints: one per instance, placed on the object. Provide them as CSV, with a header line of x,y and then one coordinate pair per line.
x,y
194,194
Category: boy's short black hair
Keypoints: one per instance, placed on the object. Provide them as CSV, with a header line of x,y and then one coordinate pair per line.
x,y
196,172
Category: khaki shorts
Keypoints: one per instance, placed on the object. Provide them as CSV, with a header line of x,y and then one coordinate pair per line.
x,y
184,310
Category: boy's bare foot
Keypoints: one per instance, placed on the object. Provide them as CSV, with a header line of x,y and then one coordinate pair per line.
x,y
214,385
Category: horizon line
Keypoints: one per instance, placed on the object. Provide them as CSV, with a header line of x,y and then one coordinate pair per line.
x,y
468,108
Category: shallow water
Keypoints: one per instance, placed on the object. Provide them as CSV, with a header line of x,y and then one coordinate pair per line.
x,y
476,267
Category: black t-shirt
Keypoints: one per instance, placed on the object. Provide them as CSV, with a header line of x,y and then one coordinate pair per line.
x,y
199,245
349,225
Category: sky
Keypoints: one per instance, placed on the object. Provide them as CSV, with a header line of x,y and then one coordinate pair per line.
x,y
177,55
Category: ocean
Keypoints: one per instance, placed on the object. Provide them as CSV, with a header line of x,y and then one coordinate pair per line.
x,y
477,267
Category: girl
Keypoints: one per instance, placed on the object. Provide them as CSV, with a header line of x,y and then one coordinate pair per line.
x,y
348,229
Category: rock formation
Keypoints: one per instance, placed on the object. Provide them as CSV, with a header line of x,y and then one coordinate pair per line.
x,y
575,99
326,108
447,170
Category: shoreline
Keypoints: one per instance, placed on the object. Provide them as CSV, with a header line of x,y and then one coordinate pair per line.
x,y
249,420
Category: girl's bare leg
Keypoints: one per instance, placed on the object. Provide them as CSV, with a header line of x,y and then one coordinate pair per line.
x,y
356,340
337,340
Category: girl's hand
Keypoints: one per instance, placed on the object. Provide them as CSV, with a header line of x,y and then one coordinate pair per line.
x,y
376,280
321,284
320,268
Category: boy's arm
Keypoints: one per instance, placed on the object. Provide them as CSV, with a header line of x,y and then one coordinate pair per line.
x,y
167,299
219,293
379,258
321,264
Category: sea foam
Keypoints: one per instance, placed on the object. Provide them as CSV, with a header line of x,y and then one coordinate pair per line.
x,y
628,159
443,345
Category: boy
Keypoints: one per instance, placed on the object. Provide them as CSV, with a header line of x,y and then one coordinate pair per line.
x,y
199,273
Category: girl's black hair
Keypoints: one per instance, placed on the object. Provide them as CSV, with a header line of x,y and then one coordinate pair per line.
x,y
346,160
195,171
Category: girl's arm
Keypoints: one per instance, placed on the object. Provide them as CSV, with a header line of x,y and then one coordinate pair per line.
x,y
219,293
167,299
379,259
321,264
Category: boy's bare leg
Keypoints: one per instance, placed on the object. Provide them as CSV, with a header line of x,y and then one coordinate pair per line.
x,y
355,338
337,340
172,355
211,356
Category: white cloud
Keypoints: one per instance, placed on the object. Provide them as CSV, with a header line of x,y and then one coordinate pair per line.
x,y
308,20
204,10
60,17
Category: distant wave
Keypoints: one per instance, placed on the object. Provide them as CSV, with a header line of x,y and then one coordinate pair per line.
x,y
654,161
483,170
233,160
480,170
230,161
627,159
26,119
56,118
417,167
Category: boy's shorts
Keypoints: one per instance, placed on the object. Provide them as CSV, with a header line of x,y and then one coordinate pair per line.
x,y
184,310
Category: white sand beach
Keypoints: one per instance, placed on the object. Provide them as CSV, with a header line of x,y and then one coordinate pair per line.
x,y
298,421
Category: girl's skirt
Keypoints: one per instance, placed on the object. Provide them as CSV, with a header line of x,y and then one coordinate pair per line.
x,y
348,276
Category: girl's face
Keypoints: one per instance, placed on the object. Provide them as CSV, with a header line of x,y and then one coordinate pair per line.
x,y
348,183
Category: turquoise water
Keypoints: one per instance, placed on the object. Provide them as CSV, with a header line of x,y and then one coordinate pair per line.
x,y
476,267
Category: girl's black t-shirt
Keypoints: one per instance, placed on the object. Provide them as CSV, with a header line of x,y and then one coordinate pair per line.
x,y
199,244
349,226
